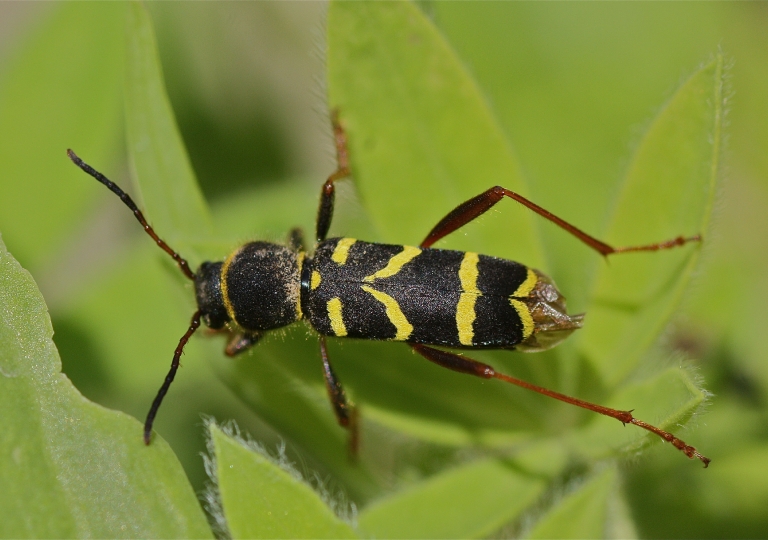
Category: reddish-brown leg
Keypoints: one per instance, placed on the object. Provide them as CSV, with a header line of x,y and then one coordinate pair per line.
x,y
463,364
477,206
240,343
346,414
328,191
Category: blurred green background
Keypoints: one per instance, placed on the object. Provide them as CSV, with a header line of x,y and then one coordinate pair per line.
x,y
573,85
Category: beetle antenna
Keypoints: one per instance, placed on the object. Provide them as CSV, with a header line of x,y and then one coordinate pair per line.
x,y
193,325
182,262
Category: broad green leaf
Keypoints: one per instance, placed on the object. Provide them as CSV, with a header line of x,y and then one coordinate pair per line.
x,y
668,192
72,468
468,501
260,499
62,91
585,512
167,182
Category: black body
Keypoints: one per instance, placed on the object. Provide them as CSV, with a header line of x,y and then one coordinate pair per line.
x,y
417,301
357,289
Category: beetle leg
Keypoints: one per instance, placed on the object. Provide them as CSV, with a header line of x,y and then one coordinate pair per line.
x,y
346,413
296,239
241,343
477,206
463,364
328,192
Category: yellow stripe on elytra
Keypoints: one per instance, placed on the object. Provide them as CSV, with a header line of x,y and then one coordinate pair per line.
x,y
223,281
526,286
334,314
403,328
525,316
314,281
465,309
395,264
341,251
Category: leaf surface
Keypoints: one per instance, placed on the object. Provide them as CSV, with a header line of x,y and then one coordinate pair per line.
x,y
81,466
262,500
668,191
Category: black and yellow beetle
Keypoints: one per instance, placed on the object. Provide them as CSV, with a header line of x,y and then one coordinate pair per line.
x,y
422,296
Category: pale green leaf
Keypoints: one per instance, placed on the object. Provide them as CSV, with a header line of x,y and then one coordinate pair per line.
x,y
79,470
668,192
468,501
260,499
582,513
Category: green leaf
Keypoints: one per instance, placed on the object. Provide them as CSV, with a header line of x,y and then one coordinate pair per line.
x,y
468,501
78,470
261,499
167,183
668,191
62,91
587,511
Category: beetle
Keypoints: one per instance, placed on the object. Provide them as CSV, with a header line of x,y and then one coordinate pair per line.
x,y
420,295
